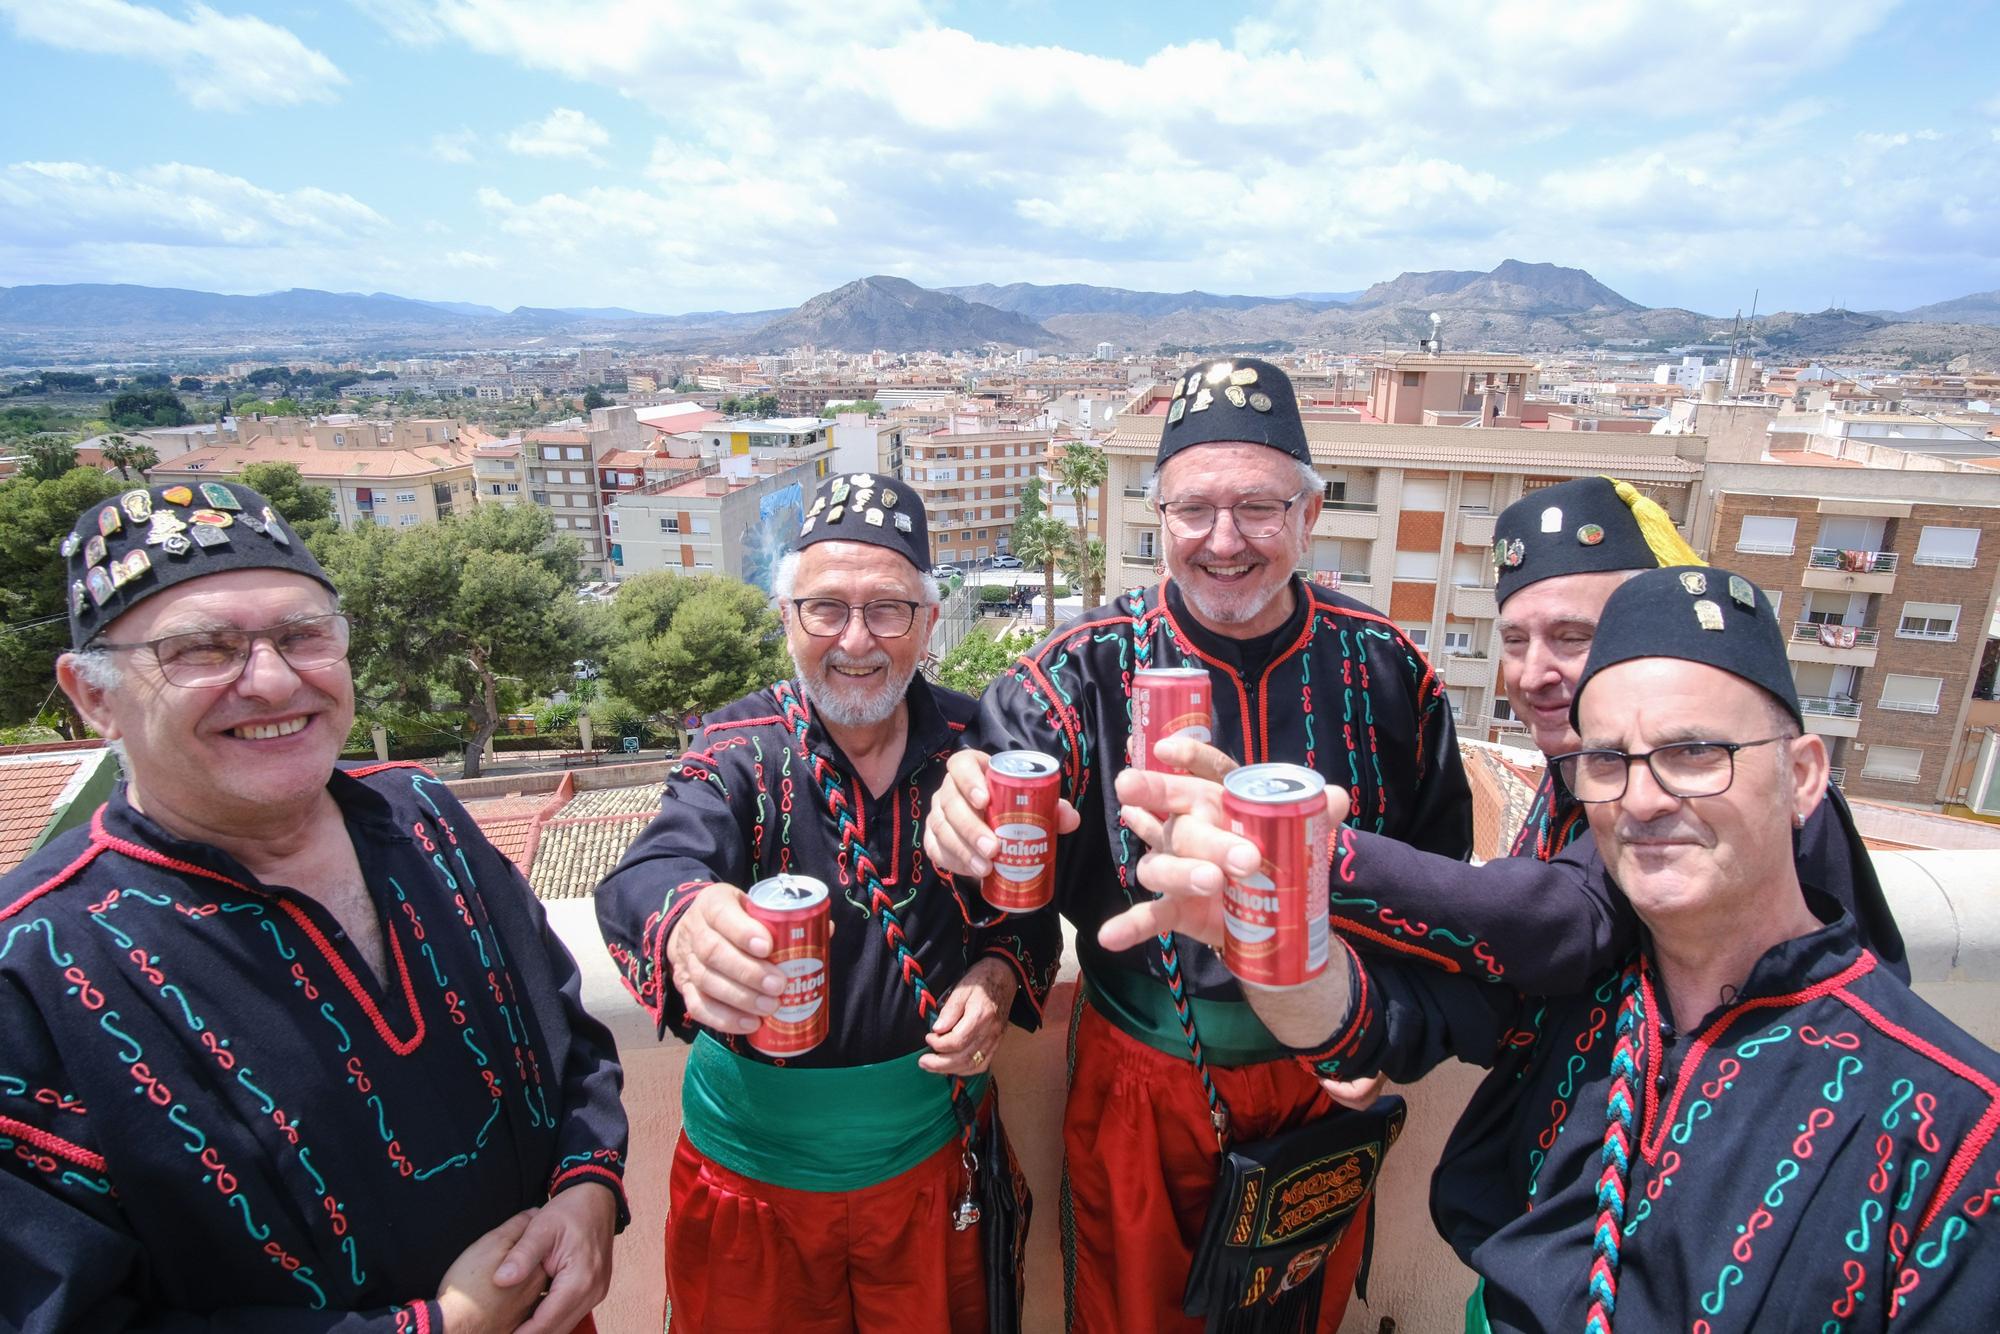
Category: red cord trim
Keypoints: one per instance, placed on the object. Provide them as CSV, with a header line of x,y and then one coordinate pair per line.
x,y
740,722
60,878
388,764
1342,927
52,1145
1975,1143
347,978
1698,1050
590,1169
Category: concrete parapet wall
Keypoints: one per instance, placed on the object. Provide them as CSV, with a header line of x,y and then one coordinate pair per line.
x,y
1946,903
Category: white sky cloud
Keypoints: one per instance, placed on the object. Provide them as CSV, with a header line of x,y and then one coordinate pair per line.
x,y
219,62
454,145
562,133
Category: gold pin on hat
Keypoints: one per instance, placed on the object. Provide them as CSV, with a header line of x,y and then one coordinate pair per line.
x,y
1220,372
1708,614
1201,401
1741,593
807,526
1695,582
873,518
1261,401
1234,393
1243,375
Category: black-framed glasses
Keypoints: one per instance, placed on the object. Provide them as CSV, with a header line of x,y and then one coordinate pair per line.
x,y
886,618
1253,518
1682,769
217,657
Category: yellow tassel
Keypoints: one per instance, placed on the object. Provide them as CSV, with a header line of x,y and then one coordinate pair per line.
x,y
1665,541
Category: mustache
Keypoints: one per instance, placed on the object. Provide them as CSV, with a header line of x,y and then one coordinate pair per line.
x,y
1672,827
840,658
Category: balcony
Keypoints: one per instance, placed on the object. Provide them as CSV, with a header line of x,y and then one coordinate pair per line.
x,y
1467,670
1839,571
1475,529
1837,777
1831,715
1356,519
1841,645
1473,603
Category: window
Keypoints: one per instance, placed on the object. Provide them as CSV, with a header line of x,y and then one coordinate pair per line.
x,y
539,497
1476,494
1929,620
496,488
1895,764
407,520
670,523
1417,565
1336,492
573,452
406,497
1458,639
1767,535
1457,700
1424,493
1409,379
1503,712
339,439
551,451
700,525
511,487
1148,544
1467,567
1911,694
1420,636
1958,547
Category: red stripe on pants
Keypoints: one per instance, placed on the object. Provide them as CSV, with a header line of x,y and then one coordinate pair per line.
x,y
1142,1161
747,1257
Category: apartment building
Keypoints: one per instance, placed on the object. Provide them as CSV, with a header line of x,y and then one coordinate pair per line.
x,y
402,487
563,476
732,515
499,468
971,482
1408,514
1885,580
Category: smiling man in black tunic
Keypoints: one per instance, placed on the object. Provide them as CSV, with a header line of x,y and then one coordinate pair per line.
x,y
282,1048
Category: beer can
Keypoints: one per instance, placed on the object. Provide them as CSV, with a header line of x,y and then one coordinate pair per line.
x,y
799,912
1022,789
1275,919
1169,701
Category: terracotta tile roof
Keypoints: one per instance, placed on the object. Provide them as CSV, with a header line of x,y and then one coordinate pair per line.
x,y
575,854
642,800
28,792
314,463
1503,783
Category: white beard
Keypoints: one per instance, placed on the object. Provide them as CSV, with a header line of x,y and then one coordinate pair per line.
x,y
844,703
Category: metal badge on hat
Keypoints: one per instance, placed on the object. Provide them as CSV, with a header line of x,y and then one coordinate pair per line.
x,y
1202,399
819,503
250,521
902,521
1741,593
99,583
833,515
207,534
1708,614
1235,395
108,521
138,504
1590,534
275,530
1220,371
1261,401
1243,375
1177,411
1509,553
93,550
220,496
70,545
77,593
873,517
177,495
1552,519
165,524
1695,582
210,519
805,529
888,498
133,564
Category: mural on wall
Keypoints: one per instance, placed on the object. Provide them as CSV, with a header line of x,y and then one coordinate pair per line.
x,y
765,541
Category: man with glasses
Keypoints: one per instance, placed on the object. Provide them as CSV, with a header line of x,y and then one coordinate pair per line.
x,y
1299,673
817,1192
1745,1123
286,1048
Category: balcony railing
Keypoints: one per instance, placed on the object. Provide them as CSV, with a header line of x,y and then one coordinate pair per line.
x,y
1837,776
1848,561
1933,636
1891,775
1907,705
1834,636
1830,706
1950,562
1352,506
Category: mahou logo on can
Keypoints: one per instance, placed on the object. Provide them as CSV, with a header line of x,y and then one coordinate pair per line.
x,y
799,913
1169,701
1276,918
1021,810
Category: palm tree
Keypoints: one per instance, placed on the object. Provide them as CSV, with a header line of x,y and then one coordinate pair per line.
x,y
1040,538
1081,468
128,458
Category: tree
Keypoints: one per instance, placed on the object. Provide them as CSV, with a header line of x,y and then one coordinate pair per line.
x,y
979,658
48,457
128,457
35,515
687,644
148,407
443,612
190,385
593,397
307,508
1040,538
1081,469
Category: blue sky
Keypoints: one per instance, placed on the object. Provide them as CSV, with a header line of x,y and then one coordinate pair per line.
x,y
676,157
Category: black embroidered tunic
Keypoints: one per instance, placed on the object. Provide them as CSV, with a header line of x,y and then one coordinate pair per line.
x,y
214,1117
747,801
1343,692
1817,1153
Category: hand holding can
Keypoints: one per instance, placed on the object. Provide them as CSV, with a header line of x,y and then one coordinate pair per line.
x,y
1275,918
799,912
1023,788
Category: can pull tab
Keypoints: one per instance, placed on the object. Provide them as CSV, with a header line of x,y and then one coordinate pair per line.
x,y
1219,1118
967,1211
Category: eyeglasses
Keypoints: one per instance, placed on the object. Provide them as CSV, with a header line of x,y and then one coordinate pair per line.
x,y
1253,518
218,657
886,618
1682,769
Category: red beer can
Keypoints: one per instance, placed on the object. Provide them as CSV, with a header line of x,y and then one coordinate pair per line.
x,y
799,912
1169,701
1022,790
1276,918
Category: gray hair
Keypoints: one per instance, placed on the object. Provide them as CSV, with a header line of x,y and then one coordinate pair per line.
x,y
787,576
100,671
1309,480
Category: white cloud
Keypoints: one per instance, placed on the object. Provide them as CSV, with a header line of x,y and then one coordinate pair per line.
x,y
454,146
562,133
470,259
69,203
219,62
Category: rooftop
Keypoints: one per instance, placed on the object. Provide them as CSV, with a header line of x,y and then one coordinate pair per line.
x,y
316,463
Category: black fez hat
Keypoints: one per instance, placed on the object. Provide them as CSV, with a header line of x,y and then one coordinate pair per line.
x,y
1698,613
868,507
122,551
1233,400
1586,526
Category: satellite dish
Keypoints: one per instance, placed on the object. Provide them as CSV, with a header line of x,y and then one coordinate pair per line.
x,y
1436,318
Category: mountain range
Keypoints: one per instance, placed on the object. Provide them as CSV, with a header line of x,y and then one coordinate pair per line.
x,y
1515,306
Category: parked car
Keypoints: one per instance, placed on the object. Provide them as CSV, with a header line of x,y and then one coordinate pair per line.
x,y
1003,561
946,572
